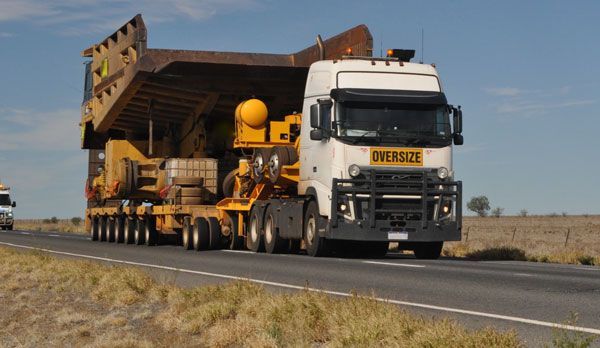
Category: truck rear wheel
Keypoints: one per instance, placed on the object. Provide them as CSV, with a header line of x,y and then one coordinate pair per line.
x,y
186,233
103,228
110,231
273,242
428,250
95,230
119,228
200,236
214,232
150,234
254,235
138,235
230,229
315,244
129,232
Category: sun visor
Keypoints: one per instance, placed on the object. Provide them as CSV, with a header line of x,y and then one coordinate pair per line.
x,y
388,96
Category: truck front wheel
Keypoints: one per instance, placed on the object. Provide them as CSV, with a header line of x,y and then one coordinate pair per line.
x,y
428,250
315,244
9,227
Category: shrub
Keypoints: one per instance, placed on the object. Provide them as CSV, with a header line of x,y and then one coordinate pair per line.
x,y
54,220
523,213
497,212
76,220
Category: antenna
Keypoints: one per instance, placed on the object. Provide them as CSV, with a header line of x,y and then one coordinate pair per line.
x,y
381,47
422,44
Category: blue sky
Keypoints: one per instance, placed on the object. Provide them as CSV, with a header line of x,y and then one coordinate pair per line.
x,y
525,72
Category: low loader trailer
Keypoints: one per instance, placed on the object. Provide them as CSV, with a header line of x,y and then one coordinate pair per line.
x,y
327,150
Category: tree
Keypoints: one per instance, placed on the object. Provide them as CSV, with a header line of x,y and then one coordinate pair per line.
x,y
497,212
523,213
54,220
479,205
76,220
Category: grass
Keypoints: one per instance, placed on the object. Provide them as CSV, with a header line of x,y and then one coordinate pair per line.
x,y
62,225
56,302
556,239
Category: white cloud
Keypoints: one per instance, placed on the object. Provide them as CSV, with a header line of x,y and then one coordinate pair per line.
x,y
504,91
4,34
75,17
536,107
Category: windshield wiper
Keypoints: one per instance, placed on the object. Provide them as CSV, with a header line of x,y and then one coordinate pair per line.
x,y
358,139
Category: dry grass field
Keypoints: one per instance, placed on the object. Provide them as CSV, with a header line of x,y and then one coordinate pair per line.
x,y
46,225
560,239
56,302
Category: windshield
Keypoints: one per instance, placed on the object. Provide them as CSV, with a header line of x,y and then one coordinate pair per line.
x,y
409,124
4,199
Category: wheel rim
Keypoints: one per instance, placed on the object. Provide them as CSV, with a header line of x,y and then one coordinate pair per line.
x,y
310,229
269,229
254,230
186,236
258,165
274,165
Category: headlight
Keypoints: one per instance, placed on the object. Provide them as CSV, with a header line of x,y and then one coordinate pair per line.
x,y
10,214
442,172
354,170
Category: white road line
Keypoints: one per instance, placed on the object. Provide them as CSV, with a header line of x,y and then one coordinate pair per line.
x,y
394,264
238,251
26,233
329,292
523,274
54,235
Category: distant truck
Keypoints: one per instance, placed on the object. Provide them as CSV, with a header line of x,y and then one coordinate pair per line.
x,y
6,208
206,149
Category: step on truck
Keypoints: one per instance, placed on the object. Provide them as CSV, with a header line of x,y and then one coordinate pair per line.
x,y
327,150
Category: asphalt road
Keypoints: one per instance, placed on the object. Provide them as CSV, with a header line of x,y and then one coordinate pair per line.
x,y
528,297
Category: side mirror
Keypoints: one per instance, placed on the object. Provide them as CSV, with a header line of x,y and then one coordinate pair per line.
x,y
457,126
315,120
317,134
458,139
14,204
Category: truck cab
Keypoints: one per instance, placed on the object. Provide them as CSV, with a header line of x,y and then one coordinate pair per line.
x,y
376,153
6,209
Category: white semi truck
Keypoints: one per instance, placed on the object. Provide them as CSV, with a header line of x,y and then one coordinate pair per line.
x,y
6,208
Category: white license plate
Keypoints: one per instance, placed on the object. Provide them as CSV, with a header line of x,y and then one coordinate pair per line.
x,y
397,235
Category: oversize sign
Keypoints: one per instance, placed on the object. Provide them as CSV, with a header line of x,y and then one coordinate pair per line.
x,y
396,156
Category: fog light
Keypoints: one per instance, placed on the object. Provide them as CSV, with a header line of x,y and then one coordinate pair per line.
x,y
354,170
442,172
343,207
446,209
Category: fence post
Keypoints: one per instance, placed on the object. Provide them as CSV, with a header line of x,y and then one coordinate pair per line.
x,y
513,236
468,232
568,233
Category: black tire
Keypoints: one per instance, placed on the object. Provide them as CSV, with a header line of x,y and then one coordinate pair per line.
x,y
110,230
150,233
214,232
294,247
234,240
138,234
254,236
119,228
200,235
186,233
260,158
428,250
229,183
293,154
279,157
95,230
103,228
316,245
274,244
129,232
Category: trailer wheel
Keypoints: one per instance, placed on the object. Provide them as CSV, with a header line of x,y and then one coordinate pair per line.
x,y
229,183
150,234
95,231
315,245
110,231
138,235
129,232
259,161
200,237
428,250
274,244
230,229
279,157
103,228
119,228
186,233
214,232
254,236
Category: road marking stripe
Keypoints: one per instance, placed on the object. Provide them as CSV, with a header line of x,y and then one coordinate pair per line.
x,y
394,264
329,292
26,233
238,251
54,235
